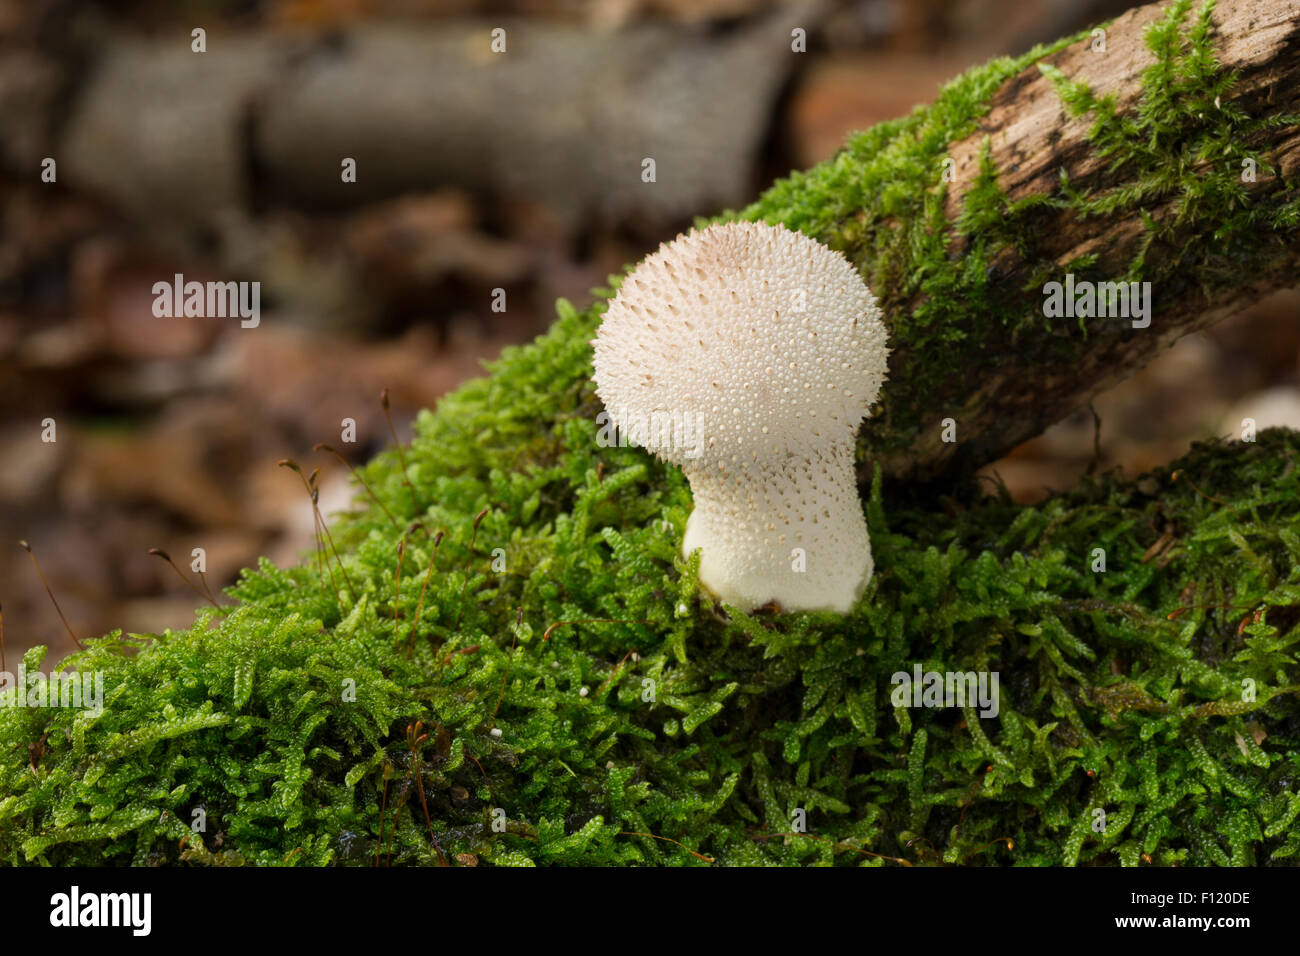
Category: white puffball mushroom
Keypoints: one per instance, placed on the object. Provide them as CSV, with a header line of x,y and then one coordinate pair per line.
x,y
748,355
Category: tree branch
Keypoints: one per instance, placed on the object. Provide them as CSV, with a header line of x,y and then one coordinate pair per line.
x,y
1142,161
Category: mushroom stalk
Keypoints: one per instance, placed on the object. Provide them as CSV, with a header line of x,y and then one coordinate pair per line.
x,y
793,535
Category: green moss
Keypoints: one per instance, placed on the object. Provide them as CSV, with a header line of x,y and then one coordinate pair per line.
x,y
697,726
656,728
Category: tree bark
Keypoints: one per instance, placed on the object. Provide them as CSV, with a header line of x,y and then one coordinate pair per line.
x,y
1013,386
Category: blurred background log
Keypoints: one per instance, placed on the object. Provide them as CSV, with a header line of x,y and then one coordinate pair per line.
x,y
562,115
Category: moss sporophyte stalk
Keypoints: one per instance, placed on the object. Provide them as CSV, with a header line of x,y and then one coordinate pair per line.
x,y
502,656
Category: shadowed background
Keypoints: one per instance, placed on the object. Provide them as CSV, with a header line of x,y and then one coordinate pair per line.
x,y
476,172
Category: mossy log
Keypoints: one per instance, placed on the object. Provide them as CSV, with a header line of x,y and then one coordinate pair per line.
x,y
1163,147
511,663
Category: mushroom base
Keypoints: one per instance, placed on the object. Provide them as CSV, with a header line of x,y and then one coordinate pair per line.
x,y
796,536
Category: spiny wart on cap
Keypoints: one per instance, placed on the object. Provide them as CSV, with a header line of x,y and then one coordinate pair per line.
x,y
747,355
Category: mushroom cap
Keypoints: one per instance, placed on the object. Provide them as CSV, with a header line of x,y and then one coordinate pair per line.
x,y
740,342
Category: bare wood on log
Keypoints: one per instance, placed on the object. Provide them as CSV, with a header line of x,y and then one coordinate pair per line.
x,y
1008,393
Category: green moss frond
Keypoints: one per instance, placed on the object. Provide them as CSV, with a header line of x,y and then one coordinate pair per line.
x,y
651,727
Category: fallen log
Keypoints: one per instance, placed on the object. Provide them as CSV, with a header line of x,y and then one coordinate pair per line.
x,y
1161,149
